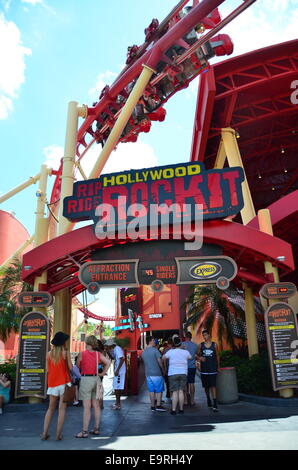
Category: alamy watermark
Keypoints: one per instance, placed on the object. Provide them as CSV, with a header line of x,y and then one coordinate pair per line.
x,y
158,221
294,95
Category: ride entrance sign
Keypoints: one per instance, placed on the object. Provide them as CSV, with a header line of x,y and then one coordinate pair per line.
x,y
33,348
282,339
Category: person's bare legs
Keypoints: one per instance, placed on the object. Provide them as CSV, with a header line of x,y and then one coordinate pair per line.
x,y
152,398
158,398
118,395
175,400
87,414
181,399
61,418
97,413
49,415
192,393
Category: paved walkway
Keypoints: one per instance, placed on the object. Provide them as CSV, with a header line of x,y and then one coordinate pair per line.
x,y
241,425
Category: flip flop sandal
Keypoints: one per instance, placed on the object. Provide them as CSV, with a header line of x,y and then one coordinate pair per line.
x,y
44,437
82,435
95,432
116,407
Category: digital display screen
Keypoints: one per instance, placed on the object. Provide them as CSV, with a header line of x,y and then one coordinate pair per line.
x,y
165,271
32,299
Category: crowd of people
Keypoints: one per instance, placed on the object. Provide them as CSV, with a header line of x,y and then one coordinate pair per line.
x,y
170,366
174,363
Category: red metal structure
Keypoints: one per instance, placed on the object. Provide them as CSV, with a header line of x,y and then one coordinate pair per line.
x,y
250,93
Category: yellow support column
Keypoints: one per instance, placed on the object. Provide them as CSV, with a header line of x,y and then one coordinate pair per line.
x,y
250,318
62,317
41,222
265,226
234,158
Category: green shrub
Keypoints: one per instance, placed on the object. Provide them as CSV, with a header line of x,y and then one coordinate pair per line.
x,y
253,374
9,367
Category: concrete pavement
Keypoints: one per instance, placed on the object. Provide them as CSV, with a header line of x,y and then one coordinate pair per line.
x,y
239,426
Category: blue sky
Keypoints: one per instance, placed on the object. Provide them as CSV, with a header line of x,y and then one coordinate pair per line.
x,y
55,51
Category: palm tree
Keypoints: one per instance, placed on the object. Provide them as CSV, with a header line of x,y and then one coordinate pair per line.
x,y
207,303
11,312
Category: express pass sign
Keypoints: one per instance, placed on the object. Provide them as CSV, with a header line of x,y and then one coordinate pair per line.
x,y
218,192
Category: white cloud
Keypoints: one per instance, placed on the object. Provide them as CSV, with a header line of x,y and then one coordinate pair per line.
x,y
12,60
53,154
103,79
263,24
125,157
33,2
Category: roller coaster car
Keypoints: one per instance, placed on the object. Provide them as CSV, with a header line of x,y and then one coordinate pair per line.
x,y
171,76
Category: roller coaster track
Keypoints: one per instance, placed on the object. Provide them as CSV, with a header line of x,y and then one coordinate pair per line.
x,y
179,53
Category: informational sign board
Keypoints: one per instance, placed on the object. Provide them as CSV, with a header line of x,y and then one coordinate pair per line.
x,y
133,272
282,339
32,358
205,270
218,191
278,290
110,273
35,299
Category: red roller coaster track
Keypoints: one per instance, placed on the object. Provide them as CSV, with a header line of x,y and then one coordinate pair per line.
x,y
178,53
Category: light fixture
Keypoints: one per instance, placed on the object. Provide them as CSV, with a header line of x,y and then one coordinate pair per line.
x,y
259,175
273,188
282,150
237,134
285,170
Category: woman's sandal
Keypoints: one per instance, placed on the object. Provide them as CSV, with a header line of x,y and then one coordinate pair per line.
x,y
59,438
44,437
82,435
95,432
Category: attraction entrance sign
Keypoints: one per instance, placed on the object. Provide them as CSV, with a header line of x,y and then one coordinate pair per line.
x,y
33,348
282,340
133,272
113,201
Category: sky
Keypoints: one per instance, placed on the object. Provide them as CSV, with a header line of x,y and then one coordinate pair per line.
x,y
56,51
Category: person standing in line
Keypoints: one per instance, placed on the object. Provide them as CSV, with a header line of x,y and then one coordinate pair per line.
x,y
5,387
76,377
166,349
154,371
177,372
119,370
88,361
209,362
192,348
59,366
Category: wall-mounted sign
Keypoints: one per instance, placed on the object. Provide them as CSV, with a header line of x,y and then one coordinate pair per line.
x,y
32,362
218,191
278,290
35,299
282,339
110,273
205,270
156,315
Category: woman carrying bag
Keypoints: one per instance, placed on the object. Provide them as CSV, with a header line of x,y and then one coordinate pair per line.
x,y
59,364
88,363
